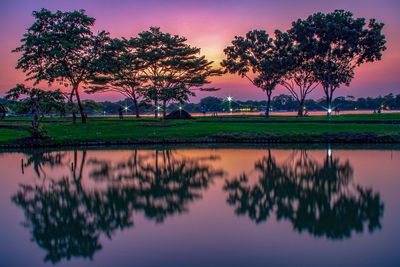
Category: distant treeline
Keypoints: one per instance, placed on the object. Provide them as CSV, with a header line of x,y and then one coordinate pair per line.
x,y
279,103
215,104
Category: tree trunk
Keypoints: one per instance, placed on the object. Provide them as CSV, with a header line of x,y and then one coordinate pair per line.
x,y
269,93
81,109
35,127
72,105
328,102
300,112
135,102
36,132
329,110
156,109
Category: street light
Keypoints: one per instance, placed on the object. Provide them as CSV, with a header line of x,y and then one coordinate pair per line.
x,y
229,98
158,110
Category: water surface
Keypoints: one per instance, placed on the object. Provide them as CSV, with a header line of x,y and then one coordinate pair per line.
x,y
226,206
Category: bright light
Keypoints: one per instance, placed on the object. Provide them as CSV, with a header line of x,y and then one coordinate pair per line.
x,y
231,110
329,152
229,98
126,108
180,107
329,110
158,108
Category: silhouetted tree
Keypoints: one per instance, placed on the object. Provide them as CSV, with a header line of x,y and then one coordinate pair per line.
x,y
301,78
124,74
263,60
173,68
211,103
37,102
342,43
389,101
284,102
61,47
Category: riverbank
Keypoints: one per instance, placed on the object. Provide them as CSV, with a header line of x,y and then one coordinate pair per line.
x,y
366,128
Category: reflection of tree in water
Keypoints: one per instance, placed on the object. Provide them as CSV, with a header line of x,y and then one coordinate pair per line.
x,y
39,159
318,198
67,219
161,183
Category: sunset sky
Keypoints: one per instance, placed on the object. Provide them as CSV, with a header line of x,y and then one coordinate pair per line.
x,y
210,25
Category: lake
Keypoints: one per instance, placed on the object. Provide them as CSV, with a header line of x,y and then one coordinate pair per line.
x,y
201,206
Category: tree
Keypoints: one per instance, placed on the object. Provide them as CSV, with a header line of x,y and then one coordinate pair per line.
x,y
38,102
263,60
61,47
3,111
211,103
284,102
389,101
173,68
124,74
301,79
342,43
398,101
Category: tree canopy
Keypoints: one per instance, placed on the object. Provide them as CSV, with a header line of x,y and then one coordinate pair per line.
x,y
38,102
123,72
262,59
301,78
61,47
340,43
172,67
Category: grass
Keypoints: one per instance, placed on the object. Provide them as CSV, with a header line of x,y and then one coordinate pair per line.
x,y
339,118
237,128
7,135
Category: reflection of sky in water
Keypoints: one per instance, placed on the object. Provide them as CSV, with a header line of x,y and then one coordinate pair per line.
x,y
201,227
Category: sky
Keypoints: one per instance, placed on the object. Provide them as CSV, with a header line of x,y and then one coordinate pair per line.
x,y
210,25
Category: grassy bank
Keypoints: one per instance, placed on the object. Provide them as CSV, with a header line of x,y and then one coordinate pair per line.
x,y
345,128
